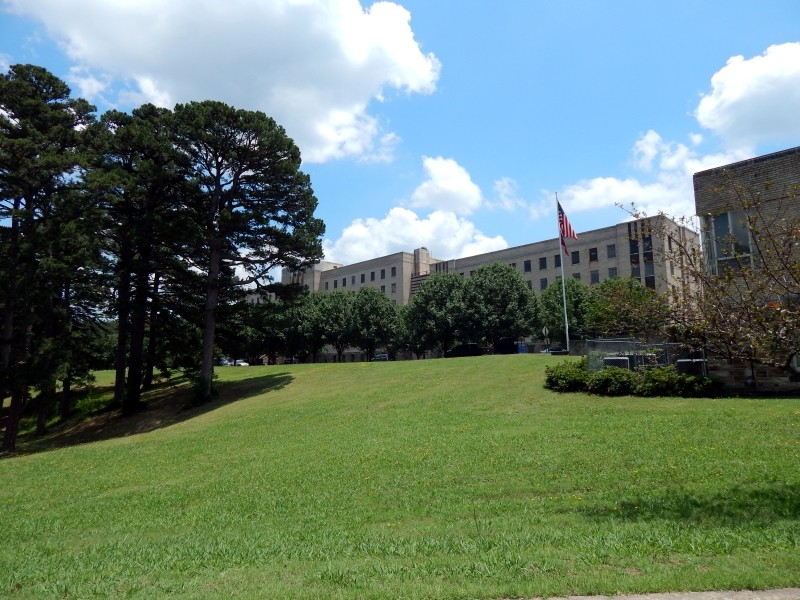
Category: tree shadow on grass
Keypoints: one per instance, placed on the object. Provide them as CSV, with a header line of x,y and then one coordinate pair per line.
x,y
166,404
739,505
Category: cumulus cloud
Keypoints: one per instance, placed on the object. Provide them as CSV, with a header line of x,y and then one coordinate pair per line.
x,y
751,102
755,100
506,196
448,187
671,167
314,65
444,233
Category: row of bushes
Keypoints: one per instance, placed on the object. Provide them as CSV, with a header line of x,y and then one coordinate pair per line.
x,y
574,376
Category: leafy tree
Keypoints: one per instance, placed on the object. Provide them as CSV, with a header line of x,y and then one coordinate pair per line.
x,y
624,307
552,307
507,307
339,328
439,313
140,182
42,154
257,206
374,320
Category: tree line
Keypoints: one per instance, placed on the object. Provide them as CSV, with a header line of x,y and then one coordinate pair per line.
x,y
491,306
149,223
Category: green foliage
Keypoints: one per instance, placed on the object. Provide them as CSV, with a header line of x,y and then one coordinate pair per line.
x,y
666,381
567,376
552,307
507,308
625,307
612,381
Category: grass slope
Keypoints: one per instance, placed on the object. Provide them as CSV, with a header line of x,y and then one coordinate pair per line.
x,y
458,478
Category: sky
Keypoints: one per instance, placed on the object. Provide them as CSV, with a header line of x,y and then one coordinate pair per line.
x,y
452,124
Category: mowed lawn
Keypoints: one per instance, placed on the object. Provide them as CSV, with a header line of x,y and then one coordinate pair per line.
x,y
458,478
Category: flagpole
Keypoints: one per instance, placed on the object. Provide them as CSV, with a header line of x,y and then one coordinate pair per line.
x,y
563,282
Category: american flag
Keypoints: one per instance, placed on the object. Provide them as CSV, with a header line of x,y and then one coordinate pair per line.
x,y
565,228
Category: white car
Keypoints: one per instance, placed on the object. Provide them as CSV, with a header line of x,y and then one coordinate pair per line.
x,y
240,363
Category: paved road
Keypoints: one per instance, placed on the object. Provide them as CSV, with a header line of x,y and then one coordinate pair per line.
x,y
783,594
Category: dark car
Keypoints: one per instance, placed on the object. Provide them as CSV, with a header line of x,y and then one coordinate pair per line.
x,y
555,350
468,349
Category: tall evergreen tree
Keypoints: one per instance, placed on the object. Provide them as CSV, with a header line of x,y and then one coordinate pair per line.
x,y
257,207
42,140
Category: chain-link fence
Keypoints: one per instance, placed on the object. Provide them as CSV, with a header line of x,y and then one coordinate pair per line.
x,y
634,354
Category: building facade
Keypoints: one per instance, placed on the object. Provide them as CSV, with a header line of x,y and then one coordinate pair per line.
x,y
738,203
631,249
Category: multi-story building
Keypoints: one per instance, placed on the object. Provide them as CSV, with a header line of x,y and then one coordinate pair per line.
x,y
393,274
631,249
750,212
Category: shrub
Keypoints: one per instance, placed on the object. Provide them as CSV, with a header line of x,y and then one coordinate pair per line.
x,y
567,376
666,381
613,381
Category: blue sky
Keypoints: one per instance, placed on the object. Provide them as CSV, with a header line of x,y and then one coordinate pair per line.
x,y
452,124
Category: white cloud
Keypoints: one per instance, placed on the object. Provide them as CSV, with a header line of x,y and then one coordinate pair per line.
x,y
753,101
444,233
448,187
506,197
671,191
313,65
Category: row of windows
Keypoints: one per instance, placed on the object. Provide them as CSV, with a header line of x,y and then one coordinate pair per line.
x,y
575,255
336,286
594,277
363,278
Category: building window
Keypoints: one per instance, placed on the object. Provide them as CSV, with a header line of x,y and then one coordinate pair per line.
x,y
383,289
394,288
634,248
557,261
729,244
335,283
526,266
649,274
543,283
576,276
326,285
372,276
383,273
344,281
394,271
530,284
672,268
612,271
592,254
636,271
363,277
594,276
543,263
576,257
353,280
513,265
611,251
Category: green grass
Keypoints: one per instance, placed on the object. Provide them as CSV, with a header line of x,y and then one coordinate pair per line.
x,y
459,478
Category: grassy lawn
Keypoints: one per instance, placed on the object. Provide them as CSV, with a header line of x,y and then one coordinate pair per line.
x,y
458,478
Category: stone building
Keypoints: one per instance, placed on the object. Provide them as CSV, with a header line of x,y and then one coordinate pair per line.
x,y
765,191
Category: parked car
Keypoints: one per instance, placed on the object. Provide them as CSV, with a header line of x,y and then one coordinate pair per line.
x,y
379,357
554,350
240,363
468,349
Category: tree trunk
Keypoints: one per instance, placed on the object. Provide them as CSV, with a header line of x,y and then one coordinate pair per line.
x,y
210,321
123,314
133,394
152,342
66,398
